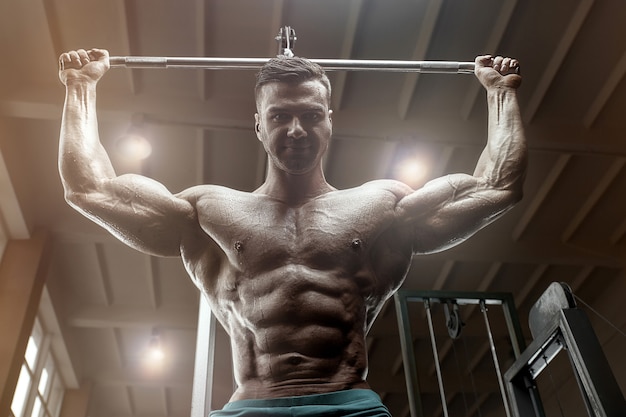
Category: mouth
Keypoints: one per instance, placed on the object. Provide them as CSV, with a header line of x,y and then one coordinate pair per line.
x,y
298,146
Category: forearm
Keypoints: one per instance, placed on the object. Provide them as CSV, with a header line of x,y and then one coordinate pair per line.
x,y
83,162
502,164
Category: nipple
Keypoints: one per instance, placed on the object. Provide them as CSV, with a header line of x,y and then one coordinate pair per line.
x,y
238,246
356,244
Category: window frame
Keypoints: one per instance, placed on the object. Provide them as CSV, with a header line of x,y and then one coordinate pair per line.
x,y
43,363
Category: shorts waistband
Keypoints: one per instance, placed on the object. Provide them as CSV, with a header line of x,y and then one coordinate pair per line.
x,y
330,398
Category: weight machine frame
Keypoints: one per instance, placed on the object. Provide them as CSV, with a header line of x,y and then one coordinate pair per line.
x,y
569,329
403,297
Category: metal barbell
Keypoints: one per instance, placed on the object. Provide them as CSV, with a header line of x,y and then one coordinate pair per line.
x,y
439,67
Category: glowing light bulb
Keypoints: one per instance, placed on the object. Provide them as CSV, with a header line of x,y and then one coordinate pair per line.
x,y
412,171
156,354
135,146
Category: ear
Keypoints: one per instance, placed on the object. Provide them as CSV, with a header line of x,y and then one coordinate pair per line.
x,y
257,126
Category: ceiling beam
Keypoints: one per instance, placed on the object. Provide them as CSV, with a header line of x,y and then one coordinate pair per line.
x,y
131,75
605,92
553,65
419,53
619,233
119,348
172,377
11,218
151,281
135,317
52,22
499,27
104,275
527,251
592,199
129,400
540,196
165,404
351,27
521,297
201,144
232,116
201,49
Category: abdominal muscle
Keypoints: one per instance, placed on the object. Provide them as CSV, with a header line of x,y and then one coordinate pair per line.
x,y
296,331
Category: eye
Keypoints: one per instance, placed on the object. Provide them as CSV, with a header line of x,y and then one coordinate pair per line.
x,y
280,117
311,117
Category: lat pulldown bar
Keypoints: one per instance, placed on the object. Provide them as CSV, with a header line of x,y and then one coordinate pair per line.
x,y
445,67
286,41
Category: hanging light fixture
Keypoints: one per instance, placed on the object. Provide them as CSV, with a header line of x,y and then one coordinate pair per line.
x,y
413,161
133,144
155,352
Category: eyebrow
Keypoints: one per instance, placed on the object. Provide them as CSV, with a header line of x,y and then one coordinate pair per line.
x,y
315,108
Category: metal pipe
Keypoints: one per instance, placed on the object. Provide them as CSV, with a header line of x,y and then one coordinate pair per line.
x,y
443,67
442,393
494,356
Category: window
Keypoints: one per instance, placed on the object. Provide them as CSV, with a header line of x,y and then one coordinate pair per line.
x,y
39,388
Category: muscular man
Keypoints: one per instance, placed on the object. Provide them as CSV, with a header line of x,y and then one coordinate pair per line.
x,y
297,270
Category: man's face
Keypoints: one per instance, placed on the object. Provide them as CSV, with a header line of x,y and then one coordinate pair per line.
x,y
294,123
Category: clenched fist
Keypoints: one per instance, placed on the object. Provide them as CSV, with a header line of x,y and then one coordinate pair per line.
x,y
83,66
498,72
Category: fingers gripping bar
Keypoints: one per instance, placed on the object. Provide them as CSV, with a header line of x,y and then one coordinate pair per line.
x,y
444,67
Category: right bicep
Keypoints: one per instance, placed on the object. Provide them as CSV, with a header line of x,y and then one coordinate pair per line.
x,y
140,212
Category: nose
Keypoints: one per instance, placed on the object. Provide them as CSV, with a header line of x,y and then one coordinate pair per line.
x,y
296,130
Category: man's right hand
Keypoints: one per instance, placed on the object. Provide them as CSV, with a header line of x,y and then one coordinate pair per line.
x,y
83,66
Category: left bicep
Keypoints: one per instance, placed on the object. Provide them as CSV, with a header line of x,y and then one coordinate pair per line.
x,y
448,210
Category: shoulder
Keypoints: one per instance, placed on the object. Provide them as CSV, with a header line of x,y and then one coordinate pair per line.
x,y
377,195
212,192
398,189
385,192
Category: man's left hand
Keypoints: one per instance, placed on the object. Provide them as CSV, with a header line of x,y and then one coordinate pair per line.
x,y
498,72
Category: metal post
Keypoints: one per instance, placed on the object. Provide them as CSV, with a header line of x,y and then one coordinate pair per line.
x,y
205,357
591,365
495,359
444,404
408,356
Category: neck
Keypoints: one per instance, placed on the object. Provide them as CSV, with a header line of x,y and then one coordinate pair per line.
x,y
294,190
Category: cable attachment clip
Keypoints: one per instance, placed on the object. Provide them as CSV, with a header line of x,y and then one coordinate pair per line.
x,y
453,319
286,41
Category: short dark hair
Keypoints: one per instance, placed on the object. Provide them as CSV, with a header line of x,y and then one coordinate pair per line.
x,y
285,69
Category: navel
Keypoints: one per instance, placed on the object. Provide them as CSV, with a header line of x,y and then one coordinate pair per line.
x,y
356,244
295,360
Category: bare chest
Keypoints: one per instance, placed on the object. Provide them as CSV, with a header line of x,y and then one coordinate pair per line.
x,y
332,259
260,234
267,235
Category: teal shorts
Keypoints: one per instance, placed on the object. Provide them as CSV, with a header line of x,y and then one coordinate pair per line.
x,y
349,403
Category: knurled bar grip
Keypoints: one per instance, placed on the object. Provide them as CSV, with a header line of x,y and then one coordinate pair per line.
x,y
444,67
